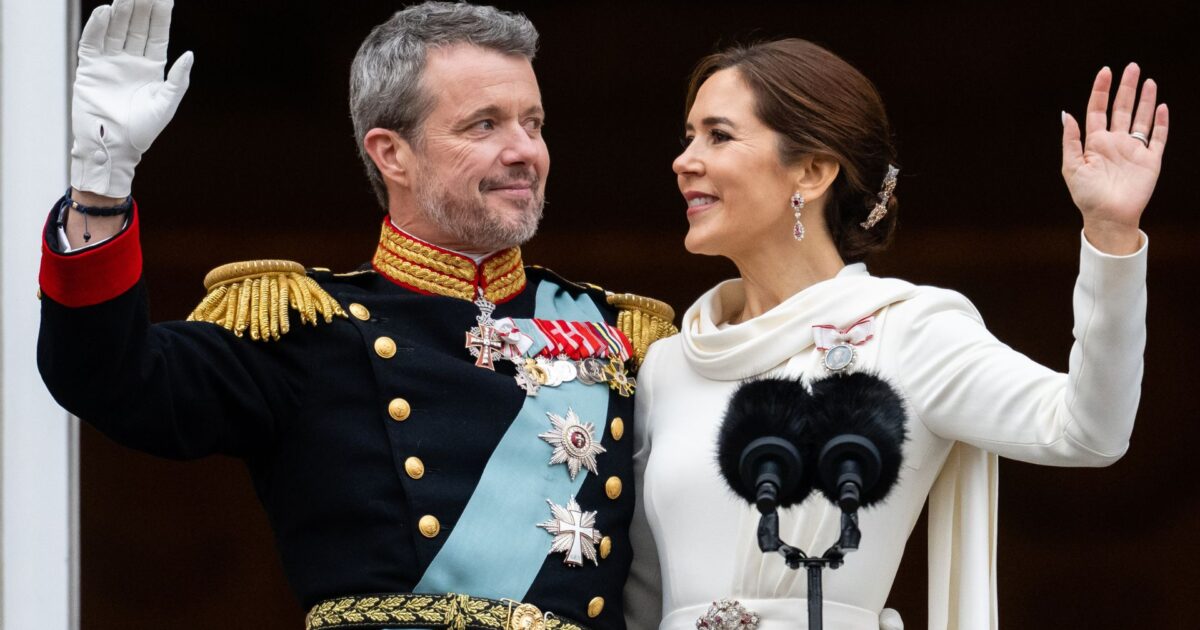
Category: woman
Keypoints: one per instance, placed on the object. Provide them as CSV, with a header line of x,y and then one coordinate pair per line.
x,y
789,171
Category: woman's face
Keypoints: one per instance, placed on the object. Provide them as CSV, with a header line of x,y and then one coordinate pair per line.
x,y
737,191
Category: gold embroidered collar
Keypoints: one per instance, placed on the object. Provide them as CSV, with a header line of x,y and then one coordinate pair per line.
x,y
426,268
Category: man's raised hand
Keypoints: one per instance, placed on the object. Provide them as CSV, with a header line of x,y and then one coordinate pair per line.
x,y
121,101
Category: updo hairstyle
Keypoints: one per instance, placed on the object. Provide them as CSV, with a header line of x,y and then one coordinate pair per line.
x,y
819,104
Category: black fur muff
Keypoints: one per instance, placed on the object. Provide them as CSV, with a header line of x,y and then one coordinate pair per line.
x,y
760,408
865,405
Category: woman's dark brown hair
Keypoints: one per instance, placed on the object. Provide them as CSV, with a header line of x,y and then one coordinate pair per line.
x,y
820,104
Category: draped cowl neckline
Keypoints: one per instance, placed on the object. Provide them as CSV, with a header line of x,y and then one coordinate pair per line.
x,y
729,352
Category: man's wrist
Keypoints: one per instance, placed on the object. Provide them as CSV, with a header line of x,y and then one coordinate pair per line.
x,y
93,200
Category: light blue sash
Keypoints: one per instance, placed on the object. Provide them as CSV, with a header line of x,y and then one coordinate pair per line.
x,y
496,549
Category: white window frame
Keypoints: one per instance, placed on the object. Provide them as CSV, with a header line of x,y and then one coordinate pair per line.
x,y
39,442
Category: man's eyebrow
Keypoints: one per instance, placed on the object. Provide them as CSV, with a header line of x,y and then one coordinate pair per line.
x,y
713,121
489,111
495,111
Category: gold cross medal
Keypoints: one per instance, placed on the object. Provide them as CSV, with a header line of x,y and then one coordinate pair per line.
x,y
574,533
573,442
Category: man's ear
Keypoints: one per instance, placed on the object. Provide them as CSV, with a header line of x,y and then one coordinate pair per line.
x,y
814,174
392,154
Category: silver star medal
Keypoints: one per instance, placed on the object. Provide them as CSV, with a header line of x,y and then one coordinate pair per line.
x,y
573,442
574,533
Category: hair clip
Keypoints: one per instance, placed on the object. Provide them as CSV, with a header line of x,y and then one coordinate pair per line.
x,y
885,193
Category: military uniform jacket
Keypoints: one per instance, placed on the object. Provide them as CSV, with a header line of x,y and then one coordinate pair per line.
x,y
386,459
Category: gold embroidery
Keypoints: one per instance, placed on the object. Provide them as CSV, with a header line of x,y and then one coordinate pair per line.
x,y
451,611
444,262
643,320
255,296
419,266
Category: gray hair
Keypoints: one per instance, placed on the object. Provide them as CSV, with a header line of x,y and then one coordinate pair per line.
x,y
385,79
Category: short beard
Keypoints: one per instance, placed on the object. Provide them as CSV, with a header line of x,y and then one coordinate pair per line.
x,y
469,222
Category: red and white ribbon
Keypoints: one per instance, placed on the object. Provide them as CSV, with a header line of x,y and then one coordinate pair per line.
x,y
513,342
827,336
582,340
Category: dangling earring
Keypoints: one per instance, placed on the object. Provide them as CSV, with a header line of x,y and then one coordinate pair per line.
x,y
797,205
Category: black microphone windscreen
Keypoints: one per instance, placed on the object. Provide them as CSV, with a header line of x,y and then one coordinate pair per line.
x,y
865,405
768,407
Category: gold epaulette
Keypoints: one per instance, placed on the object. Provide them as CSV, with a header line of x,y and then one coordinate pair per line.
x,y
255,295
643,320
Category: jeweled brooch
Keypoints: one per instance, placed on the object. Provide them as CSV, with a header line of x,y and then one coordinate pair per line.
x,y
727,614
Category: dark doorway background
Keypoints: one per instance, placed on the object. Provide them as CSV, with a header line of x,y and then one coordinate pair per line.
x,y
259,163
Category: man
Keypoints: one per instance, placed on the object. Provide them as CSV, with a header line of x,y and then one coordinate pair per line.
x,y
445,445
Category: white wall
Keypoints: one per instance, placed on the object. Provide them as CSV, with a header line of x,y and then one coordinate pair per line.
x,y
38,514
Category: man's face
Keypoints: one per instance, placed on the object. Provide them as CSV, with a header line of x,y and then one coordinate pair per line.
x,y
482,161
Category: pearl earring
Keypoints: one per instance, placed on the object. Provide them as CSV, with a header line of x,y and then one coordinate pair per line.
x,y
797,205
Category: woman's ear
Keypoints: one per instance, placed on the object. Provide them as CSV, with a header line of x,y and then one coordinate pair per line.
x,y
393,156
814,174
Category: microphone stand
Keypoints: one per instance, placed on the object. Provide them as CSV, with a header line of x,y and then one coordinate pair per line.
x,y
768,541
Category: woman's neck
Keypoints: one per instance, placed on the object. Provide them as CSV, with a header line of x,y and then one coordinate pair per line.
x,y
777,270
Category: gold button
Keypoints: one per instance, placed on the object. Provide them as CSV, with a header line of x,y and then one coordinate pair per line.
x,y
414,467
605,547
360,311
399,409
617,428
595,607
429,526
612,487
385,347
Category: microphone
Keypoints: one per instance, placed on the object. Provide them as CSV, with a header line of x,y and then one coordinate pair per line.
x,y
764,448
859,427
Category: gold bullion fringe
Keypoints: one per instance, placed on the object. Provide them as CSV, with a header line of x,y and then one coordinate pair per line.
x,y
643,320
255,296
450,611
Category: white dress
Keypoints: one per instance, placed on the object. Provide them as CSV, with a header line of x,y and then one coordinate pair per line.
x,y
969,397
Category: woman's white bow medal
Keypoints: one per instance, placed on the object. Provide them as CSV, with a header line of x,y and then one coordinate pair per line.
x,y
837,345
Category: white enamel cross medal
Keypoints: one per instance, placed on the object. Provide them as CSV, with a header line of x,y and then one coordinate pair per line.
x,y
574,533
483,340
573,442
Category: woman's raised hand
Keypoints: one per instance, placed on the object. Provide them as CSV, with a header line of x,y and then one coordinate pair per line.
x,y
1112,171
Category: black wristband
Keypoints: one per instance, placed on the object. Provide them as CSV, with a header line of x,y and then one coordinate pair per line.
x,y
124,208
115,211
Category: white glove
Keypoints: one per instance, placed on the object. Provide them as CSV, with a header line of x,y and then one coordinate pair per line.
x,y
121,102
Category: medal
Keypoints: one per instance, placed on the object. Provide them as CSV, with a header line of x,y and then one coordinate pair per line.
x,y
483,340
617,378
591,371
574,533
573,442
839,346
527,380
839,357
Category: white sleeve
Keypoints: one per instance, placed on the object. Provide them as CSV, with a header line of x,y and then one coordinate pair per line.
x,y
643,589
966,385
